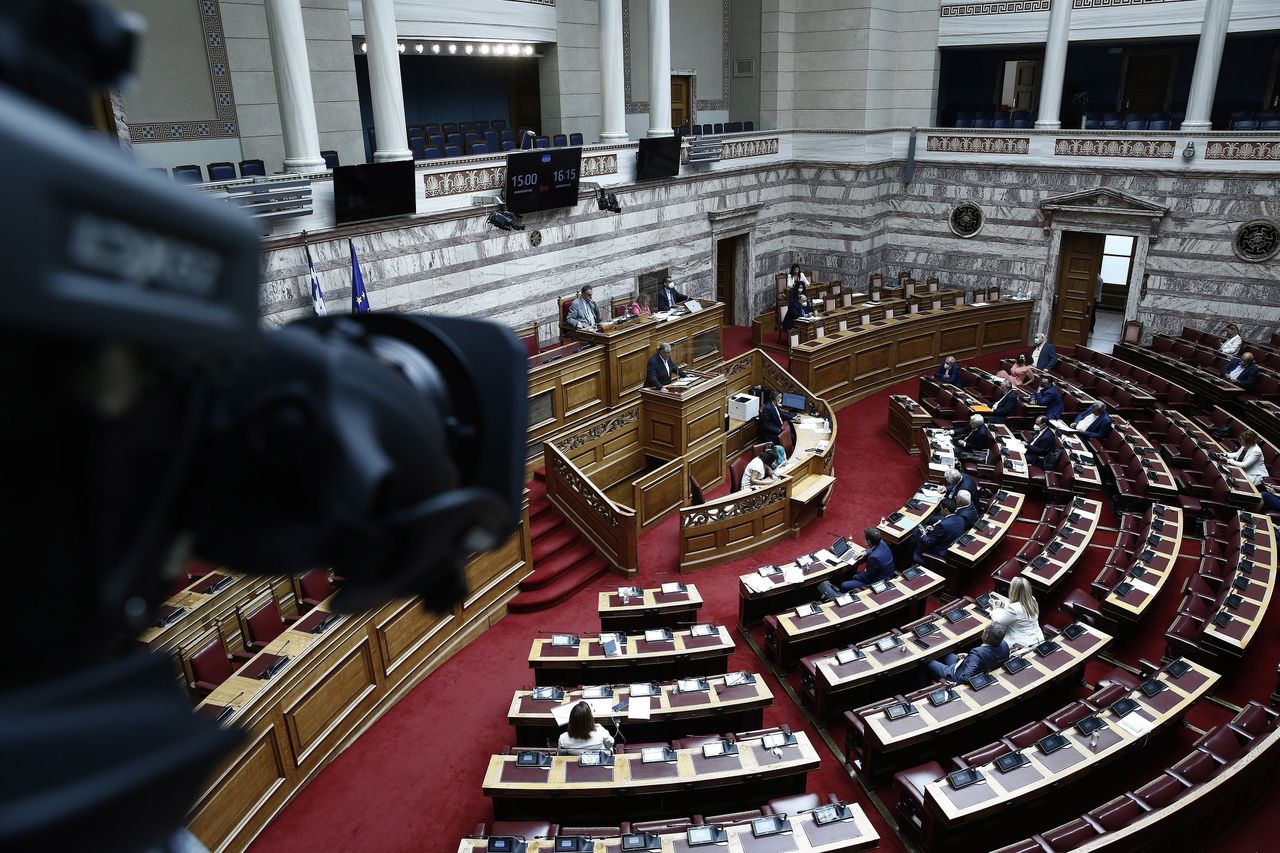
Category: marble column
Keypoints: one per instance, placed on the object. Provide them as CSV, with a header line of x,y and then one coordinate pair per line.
x,y
293,86
613,110
385,89
1204,80
660,68
1055,66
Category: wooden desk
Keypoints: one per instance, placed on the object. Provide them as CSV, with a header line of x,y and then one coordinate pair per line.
x,y
675,420
989,531
1011,456
1142,399
847,366
806,836
948,812
1159,567
789,637
653,609
1085,474
633,789
1073,538
195,609
925,500
831,686
792,584
672,714
906,419
894,743
695,338
937,454
1201,382
1233,638
682,656
1242,493
627,347
1160,482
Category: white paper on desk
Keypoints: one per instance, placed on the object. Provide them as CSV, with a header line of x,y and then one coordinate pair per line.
x,y
1016,444
1135,725
755,583
1057,423
600,708
827,557
792,574
1142,586
561,713
693,305
928,497
639,708
671,587
821,446
906,524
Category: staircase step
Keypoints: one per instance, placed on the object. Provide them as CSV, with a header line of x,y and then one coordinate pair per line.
x,y
565,585
540,475
548,546
546,570
544,524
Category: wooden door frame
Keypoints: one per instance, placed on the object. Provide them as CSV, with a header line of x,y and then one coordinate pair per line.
x,y
1124,74
739,222
1020,56
692,74
1056,304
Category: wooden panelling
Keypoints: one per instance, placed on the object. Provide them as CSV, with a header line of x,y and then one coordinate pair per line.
x,y
707,464
1004,333
411,626
582,393
960,341
660,493
916,349
245,785
339,688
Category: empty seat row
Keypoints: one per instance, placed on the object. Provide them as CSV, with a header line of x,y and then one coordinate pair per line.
x,y
1157,386
718,128
456,127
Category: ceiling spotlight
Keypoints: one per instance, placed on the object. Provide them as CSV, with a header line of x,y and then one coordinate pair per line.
x,y
505,221
453,48
417,48
469,49
528,50
400,47
435,48
499,49
607,201
364,47
484,49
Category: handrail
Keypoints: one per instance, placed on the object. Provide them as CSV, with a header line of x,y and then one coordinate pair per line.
x,y
734,504
609,527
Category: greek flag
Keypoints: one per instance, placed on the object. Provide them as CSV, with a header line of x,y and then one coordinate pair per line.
x,y
317,295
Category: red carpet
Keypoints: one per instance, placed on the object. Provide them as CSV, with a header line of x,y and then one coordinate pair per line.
x,y
413,781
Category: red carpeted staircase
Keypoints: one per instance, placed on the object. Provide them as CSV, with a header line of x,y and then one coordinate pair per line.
x,y
563,561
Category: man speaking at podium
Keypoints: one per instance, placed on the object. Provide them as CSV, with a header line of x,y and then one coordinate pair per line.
x,y
662,370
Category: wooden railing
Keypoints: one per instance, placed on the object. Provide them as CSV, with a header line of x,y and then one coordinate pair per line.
x,y
611,528
736,524
660,492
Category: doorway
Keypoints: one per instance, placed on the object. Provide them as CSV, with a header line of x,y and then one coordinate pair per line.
x,y
1106,325
727,274
1079,267
1148,82
1021,84
681,100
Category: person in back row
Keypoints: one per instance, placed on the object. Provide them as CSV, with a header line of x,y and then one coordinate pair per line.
x,y
984,658
584,733
759,471
948,372
957,481
935,539
1042,443
966,508
1050,397
1045,355
1093,422
1019,373
1243,370
1019,615
879,560
1231,340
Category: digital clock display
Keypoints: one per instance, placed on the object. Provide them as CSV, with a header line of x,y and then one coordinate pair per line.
x,y
542,179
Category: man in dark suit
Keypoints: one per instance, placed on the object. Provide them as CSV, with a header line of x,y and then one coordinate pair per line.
x,y
1094,422
669,297
1045,355
958,481
1242,371
984,658
966,509
662,370
1042,442
1006,405
972,441
772,417
879,561
948,372
935,539
1050,397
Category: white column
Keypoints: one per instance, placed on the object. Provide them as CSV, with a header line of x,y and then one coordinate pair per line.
x,y
1204,80
660,68
385,88
293,86
613,109
1055,65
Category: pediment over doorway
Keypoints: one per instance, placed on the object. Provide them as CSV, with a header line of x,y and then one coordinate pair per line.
x,y
1104,204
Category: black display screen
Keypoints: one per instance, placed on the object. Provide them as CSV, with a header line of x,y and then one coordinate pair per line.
x,y
542,179
658,158
373,191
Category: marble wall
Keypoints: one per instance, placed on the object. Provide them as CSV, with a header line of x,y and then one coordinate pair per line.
x,y
569,72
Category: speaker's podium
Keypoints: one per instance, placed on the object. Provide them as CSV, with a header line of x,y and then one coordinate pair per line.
x,y
684,416
628,343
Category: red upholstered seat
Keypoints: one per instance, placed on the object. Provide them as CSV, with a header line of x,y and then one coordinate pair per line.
x,y
736,469
695,742
1117,813
1070,715
1119,676
592,831
1197,768
793,805
210,666
1103,698
1255,718
530,343
263,625
1223,743
1029,734
315,587
1160,791
657,826
731,818
524,828
1183,636
984,754
1071,835
910,785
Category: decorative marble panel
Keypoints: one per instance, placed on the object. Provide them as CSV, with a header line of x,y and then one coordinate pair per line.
x,y
1103,4
1160,149
963,10
980,144
1223,149
749,148
483,178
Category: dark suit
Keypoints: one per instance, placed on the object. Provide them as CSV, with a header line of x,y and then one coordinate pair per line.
x,y
661,371
771,421
1005,407
982,659
669,298
1048,357
964,484
1040,446
795,310
939,538
974,440
1247,377
1099,428
952,376
879,567
969,514
1051,399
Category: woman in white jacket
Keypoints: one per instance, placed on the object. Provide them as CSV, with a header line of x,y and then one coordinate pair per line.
x,y
1249,457
1019,615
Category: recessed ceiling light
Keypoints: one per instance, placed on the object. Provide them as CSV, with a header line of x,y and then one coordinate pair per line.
x,y
484,49
417,48
435,48
364,47
469,48
528,50
499,49
453,48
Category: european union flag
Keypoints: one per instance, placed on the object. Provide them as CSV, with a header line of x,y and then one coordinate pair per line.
x,y
359,297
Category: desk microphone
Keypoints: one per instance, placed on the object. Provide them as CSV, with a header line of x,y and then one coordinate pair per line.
x,y
282,648
617,729
234,698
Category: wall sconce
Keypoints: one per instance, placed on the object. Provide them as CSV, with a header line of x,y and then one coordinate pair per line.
x,y
1189,153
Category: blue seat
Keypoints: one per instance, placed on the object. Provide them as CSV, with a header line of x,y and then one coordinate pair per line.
x,y
188,174
435,139
1000,122
431,153
507,135
1020,123
1133,116
431,130
418,146
454,139
1020,114
1156,117
1112,124
748,126
330,159
542,142
466,127
491,139
560,140
508,145
1135,124
479,148
498,124
1092,124
222,171
482,126
1158,124
1244,124
733,127
964,122
1270,124
416,130
1110,116
252,169
575,139
717,128
453,151
449,127
981,122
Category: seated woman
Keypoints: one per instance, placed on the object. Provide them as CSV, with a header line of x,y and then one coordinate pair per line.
x,y
584,733
1248,457
1019,373
639,306
1019,615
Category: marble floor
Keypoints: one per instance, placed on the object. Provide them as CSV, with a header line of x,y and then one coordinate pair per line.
x,y
1106,331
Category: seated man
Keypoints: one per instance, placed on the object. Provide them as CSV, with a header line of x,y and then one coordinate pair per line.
x,y
935,539
1050,397
879,560
1242,371
1093,422
583,313
758,473
984,658
1042,443
1045,355
662,370
973,441
956,481
669,297
966,508
1006,405
948,372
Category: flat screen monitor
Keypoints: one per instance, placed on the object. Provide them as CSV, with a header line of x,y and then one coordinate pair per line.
x,y
793,401
373,191
542,179
658,158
